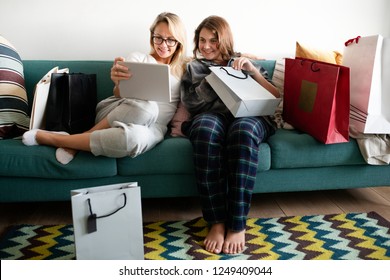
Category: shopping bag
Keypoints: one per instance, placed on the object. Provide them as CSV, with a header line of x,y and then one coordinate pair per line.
x,y
369,61
107,222
71,103
241,94
38,111
316,99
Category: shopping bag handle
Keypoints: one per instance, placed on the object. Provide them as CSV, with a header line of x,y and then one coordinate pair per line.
x,y
107,215
312,65
230,74
91,220
350,41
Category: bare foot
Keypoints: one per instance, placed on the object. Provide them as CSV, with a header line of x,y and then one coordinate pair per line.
x,y
215,238
234,242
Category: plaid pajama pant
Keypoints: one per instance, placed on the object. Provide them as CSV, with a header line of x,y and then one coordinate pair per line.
x,y
226,154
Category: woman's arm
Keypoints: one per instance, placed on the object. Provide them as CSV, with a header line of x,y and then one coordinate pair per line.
x,y
243,63
264,83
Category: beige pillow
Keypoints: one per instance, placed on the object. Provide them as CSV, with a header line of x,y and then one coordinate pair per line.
x,y
304,51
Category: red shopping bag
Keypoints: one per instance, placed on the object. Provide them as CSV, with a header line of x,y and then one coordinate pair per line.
x,y
316,99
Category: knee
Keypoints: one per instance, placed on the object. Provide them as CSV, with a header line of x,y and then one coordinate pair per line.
x,y
242,128
135,142
141,139
207,127
135,146
246,128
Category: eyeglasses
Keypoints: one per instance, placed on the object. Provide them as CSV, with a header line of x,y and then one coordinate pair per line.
x,y
159,40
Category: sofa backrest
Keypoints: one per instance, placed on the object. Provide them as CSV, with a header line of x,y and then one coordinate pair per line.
x,y
34,70
268,65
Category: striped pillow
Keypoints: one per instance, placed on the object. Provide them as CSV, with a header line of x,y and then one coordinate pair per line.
x,y
14,120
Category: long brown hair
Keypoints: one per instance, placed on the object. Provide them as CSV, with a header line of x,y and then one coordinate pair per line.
x,y
176,27
221,29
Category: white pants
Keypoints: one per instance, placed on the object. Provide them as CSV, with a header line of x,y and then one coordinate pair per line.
x,y
133,128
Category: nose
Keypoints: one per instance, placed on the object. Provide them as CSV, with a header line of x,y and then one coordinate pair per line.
x,y
206,45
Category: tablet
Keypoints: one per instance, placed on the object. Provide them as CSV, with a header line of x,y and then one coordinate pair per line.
x,y
149,81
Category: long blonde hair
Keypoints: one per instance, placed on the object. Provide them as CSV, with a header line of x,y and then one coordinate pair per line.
x,y
176,27
221,29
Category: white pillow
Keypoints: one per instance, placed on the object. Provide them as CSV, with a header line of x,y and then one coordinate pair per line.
x,y
278,80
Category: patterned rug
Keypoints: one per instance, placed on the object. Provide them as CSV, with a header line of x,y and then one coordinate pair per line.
x,y
341,236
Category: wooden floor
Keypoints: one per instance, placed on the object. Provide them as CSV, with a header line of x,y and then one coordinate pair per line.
x,y
174,209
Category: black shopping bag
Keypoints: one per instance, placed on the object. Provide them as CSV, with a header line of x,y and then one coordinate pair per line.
x,y
71,103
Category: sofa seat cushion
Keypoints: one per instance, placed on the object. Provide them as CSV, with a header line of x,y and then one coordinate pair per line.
x,y
19,160
295,149
174,156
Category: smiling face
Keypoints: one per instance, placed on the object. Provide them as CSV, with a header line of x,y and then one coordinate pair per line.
x,y
163,53
209,45
214,40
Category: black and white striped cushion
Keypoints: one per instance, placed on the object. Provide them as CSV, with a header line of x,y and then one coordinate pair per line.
x,y
14,120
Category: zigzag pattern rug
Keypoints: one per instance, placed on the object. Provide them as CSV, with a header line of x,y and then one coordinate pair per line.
x,y
341,236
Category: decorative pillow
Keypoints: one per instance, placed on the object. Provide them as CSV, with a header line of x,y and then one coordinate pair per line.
x,y
302,51
278,76
14,120
180,116
278,80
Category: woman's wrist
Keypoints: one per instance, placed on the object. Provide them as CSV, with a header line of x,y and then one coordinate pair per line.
x,y
116,90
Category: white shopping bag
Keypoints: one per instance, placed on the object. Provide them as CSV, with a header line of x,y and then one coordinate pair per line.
x,y
41,93
107,222
243,96
369,61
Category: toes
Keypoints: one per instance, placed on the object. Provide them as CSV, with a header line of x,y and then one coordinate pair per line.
x,y
232,248
207,245
234,242
217,250
212,247
227,248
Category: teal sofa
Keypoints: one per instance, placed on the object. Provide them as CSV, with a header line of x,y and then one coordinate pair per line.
x,y
289,161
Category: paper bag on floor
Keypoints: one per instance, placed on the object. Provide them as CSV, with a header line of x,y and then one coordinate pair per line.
x,y
107,222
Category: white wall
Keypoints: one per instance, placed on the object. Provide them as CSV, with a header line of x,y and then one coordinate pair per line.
x,y
97,29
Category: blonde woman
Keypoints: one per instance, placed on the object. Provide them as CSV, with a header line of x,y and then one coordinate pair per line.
x,y
127,127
